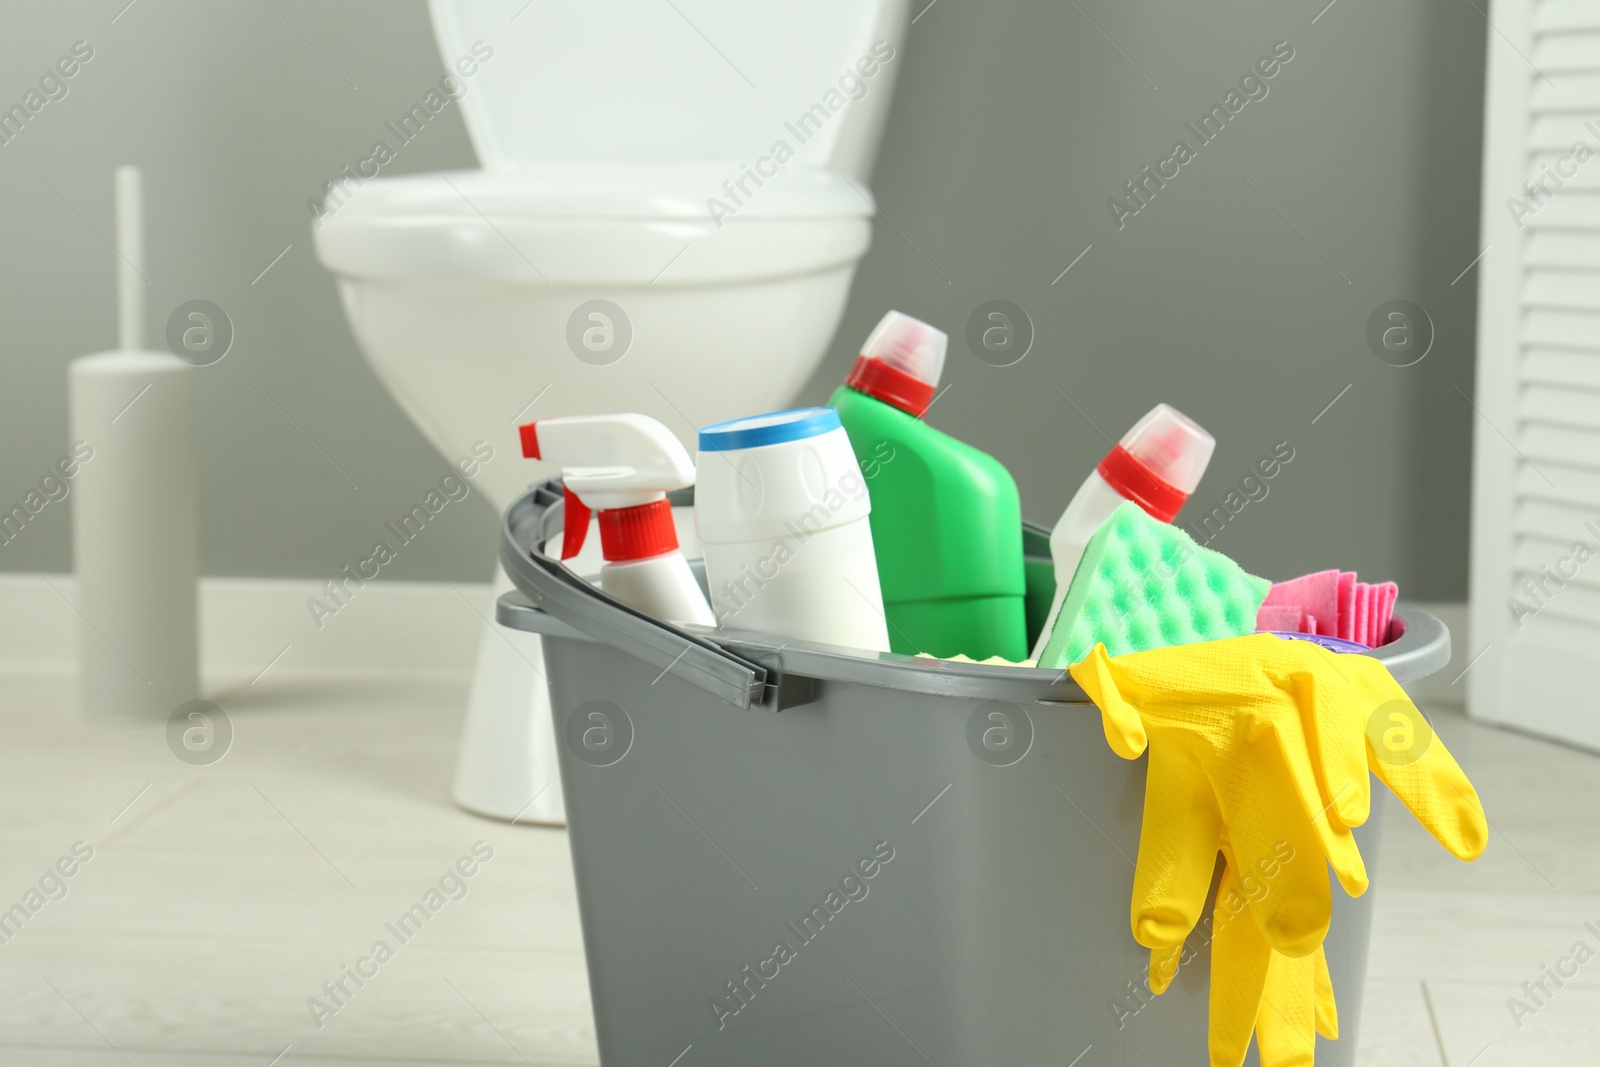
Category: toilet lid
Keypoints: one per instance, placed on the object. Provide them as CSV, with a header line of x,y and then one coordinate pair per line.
x,y
650,80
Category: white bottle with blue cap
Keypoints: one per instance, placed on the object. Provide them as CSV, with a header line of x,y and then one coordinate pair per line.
x,y
781,509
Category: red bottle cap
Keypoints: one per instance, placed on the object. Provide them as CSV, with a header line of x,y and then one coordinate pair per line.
x,y
643,531
1138,483
891,385
900,363
640,532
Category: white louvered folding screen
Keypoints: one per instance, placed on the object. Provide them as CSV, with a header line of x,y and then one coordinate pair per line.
x,y
1535,617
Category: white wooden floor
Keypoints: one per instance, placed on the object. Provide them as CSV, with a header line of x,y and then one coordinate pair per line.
x,y
219,899
1453,941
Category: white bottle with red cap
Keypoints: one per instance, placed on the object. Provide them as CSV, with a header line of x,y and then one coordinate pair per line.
x,y
1156,465
623,466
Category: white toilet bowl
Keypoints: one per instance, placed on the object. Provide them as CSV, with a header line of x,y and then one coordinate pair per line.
x,y
460,288
635,242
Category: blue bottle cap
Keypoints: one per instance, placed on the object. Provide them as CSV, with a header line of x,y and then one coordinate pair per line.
x,y
773,428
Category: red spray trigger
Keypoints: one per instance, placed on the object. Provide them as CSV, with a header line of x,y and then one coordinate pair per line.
x,y
612,466
576,525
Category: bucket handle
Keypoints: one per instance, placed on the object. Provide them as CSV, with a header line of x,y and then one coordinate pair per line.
x,y
533,519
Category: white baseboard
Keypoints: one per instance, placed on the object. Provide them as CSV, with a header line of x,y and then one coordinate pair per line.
x,y
246,624
386,628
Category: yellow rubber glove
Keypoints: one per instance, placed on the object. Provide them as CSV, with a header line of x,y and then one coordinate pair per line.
x,y
1285,732
1227,748
1283,1000
1296,1006
1286,1001
1241,961
1266,740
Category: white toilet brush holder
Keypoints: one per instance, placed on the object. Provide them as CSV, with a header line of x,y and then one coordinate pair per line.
x,y
135,521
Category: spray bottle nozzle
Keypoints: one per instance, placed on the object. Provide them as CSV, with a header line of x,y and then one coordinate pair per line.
x,y
621,466
530,440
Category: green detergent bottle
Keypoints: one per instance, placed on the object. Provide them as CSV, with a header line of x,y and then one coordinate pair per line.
x,y
946,520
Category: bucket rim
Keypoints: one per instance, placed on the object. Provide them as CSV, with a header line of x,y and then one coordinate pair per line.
x,y
749,669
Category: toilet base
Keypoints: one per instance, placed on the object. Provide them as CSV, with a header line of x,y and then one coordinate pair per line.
x,y
506,767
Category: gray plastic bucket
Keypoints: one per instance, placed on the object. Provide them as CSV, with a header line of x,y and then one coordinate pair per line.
x,y
944,851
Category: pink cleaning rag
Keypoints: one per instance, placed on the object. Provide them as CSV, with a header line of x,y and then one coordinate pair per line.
x,y
1360,629
1346,619
1334,604
1383,614
1312,594
1284,618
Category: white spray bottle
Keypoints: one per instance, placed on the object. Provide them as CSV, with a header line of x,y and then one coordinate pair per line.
x,y
1156,465
623,466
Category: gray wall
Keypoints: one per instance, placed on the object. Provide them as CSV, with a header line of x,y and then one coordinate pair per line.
x,y
237,121
1013,124
1017,122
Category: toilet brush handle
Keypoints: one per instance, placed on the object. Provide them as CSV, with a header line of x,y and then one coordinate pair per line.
x,y
129,196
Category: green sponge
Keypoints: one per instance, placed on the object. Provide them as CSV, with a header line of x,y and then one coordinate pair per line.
x,y
1144,584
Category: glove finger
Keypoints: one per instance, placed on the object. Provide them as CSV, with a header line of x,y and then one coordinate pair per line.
x,y
1163,967
1177,849
1342,852
1408,758
1285,1023
1330,702
1281,865
1284,733
1123,727
1240,957
1327,1010
1334,839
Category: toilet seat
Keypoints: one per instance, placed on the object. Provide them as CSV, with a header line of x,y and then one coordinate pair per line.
x,y
586,223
